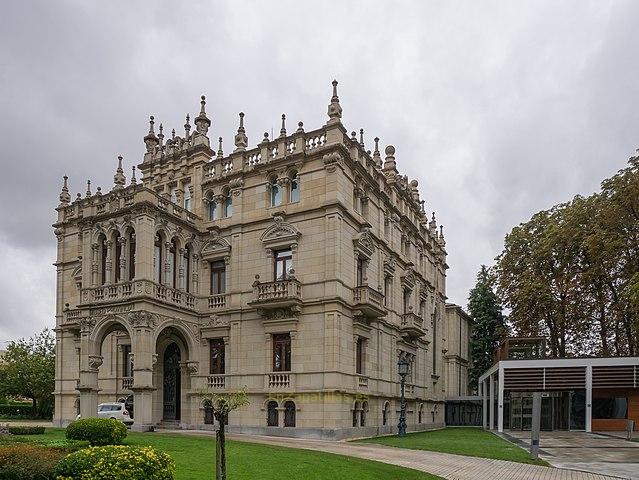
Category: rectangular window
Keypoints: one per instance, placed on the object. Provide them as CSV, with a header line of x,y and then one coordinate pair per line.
x,y
218,277
361,268
603,408
282,352
127,363
388,287
187,196
283,264
406,300
359,356
217,357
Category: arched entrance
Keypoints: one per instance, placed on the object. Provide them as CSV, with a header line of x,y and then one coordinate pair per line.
x,y
172,383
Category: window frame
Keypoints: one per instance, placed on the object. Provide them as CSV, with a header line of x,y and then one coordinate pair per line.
x,y
217,366
284,260
218,272
282,357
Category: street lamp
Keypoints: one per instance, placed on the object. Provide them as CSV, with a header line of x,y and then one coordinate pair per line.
x,y
402,369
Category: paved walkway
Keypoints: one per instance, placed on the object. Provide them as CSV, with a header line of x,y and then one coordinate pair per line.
x,y
593,452
445,465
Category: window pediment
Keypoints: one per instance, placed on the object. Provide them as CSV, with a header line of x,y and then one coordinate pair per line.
x,y
216,247
280,232
364,244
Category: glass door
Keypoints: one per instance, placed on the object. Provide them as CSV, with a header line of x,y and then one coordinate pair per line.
x,y
515,413
526,413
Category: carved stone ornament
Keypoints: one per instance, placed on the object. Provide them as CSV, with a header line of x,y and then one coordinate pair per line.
x,y
364,243
281,313
95,361
280,231
216,321
331,160
87,324
142,319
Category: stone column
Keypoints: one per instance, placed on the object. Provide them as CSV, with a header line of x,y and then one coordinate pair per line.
x,y
124,255
484,404
168,274
109,262
88,382
194,274
491,402
500,399
144,359
181,279
588,398
94,264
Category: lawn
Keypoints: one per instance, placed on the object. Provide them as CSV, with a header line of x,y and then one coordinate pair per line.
x,y
195,456
470,441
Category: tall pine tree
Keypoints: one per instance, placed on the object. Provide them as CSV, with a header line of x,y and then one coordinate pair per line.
x,y
489,326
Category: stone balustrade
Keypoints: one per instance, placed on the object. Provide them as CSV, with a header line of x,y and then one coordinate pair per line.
x,y
412,325
127,383
216,382
217,302
278,380
369,301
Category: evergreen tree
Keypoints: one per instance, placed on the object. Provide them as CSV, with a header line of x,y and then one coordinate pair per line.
x,y
489,326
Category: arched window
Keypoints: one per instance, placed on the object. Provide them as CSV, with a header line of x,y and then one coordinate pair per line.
x,y
271,414
115,265
187,196
289,414
102,245
213,212
228,204
362,417
276,193
295,187
173,253
131,254
157,258
186,264
356,409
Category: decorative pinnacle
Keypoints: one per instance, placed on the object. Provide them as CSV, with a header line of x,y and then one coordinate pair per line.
x,y
88,192
283,129
432,225
265,139
150,140
389,162
151,123
133,180
220,153
300,127
334,108
187,126
203,105
119,179
173,134
202,122
361,137
241,140
65,198
241,127
376,140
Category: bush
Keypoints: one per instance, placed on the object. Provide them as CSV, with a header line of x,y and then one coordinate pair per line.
x,y
23,410
20,461
97,431
26,430
117,462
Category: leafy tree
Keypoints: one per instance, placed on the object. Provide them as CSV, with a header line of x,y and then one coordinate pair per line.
x,y
489,326
222,405
29,371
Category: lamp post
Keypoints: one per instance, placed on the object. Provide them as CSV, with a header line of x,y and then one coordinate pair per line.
x,y
402,369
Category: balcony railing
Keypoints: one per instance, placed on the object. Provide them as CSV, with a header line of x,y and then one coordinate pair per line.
x,y
278,294
139,288
216,382
217,302
127,383
412,325
369,301
278,380
362,382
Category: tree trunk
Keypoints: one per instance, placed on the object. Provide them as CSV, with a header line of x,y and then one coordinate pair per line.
x,y
218,456
222,449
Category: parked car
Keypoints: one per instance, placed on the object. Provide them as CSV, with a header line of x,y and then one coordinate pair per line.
x,y
115,410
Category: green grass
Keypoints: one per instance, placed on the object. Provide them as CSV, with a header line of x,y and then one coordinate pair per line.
x,y
195,459
470,441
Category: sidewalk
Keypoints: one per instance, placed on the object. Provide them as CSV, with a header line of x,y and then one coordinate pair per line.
x,y
445,465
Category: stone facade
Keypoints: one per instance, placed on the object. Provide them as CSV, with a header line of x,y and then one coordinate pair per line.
x,y
300,269
457,354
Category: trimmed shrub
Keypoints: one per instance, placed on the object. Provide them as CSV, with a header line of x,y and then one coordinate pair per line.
x,y
23,410
19,461
116,462
26,430
97,431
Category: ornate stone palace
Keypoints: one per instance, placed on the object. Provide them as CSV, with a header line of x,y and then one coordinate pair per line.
x,y
301,269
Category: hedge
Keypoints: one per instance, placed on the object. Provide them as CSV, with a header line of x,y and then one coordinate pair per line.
x,y
97,431
26,430
22,411
20,461
116,462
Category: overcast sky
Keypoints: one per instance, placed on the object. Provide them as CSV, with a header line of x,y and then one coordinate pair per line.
x,y
498,109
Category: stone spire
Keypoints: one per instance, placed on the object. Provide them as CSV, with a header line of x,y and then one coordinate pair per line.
x,y
65,197
202,122
442,241
283,129
161,135
432,225
361,137
150,140
376,156
220,153
133,180
334,108
241,140
88,192
187,126
300,127
119,179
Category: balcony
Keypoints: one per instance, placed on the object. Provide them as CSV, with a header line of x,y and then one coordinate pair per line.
x,y
216,382
279,294
217,302
369,301
123,291
412,326
278,381
127,383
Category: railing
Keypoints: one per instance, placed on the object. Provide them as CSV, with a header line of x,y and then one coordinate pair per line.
x,y
290,288
217,301
362,382
217,382
411,320
127,383
366,294
127,290
279,380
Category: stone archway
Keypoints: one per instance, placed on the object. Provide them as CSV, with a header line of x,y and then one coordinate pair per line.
x,y
171,383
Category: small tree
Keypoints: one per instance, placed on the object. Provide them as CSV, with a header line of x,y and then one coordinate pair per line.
x,y
222,404
28,370
489,326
